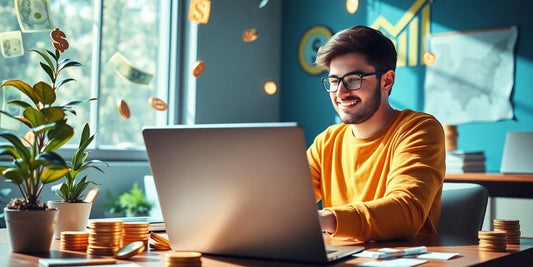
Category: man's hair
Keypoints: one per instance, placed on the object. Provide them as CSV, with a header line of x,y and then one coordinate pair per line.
x,y
378,49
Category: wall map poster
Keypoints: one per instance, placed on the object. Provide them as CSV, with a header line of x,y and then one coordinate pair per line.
x,y
472,77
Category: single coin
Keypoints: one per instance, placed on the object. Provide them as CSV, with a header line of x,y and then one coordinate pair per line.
x,y
429,58
123,109
157,103
183,256
198,69
130,250
249,35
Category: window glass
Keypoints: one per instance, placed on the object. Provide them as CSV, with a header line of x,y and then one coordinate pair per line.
x,y
118,43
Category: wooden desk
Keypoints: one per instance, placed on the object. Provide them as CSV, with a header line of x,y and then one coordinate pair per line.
x,y
498,185
516,255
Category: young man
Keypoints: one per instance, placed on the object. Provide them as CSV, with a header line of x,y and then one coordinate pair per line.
x,y
379,173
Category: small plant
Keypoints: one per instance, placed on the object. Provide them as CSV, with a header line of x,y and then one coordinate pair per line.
x,y
73,189
34,161
134,202
112,205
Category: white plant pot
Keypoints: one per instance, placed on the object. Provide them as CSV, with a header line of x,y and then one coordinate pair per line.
x,y
72,216
30,231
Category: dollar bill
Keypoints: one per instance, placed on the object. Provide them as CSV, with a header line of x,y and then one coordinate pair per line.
x,y
33,15
125,68
11,44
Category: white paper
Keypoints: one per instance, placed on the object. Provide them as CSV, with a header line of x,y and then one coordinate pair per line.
x,y
395,262
437,256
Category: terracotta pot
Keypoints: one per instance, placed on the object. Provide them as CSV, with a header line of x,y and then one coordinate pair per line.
x,y
72,216
30,231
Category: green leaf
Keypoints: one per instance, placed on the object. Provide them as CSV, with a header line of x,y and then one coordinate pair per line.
x,y
23,87
23,120
46,58
20,103
14,175
35,117
52,175
8,151
48,71
17,145
45,93
52,161
66,63
63,81
58,137
53,114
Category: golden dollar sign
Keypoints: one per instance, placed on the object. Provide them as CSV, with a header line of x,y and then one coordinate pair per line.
x,y
199,11
58,40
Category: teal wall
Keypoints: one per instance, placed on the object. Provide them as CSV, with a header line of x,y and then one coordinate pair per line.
x,y
303,99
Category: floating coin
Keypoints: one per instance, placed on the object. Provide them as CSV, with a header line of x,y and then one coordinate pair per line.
x,y
157,103
250,35
123,109
429,58
198,69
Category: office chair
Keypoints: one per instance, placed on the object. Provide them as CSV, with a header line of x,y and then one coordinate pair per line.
x,y
463,208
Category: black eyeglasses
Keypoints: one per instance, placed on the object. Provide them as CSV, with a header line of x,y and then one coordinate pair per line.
x,y
351,80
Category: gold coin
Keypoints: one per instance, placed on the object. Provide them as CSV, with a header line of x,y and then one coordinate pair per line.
x,y
198,69
429,58
157,103
158,246
183,256
249,35
159,239
123,109
130,250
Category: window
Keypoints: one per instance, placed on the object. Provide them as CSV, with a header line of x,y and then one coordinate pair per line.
x,y
124,48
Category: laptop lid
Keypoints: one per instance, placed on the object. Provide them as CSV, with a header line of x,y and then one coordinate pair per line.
x,y
517,153
238,190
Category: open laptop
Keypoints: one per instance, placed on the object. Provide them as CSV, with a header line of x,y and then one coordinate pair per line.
x,y
517,153
238,190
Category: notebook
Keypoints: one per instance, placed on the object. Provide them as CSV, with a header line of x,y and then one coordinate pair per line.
x,y
517,153
240,190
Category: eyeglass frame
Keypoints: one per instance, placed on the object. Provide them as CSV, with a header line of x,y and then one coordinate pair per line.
x,y
360,74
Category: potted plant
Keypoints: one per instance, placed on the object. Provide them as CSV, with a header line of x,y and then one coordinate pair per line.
x,y
34,158
134,202
74,210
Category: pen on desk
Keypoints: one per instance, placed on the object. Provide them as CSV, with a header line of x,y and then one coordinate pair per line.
x,y
389,252
414,250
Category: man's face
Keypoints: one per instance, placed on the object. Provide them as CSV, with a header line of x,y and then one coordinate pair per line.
x,y
355,106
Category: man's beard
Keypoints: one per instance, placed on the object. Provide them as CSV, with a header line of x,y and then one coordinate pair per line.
x,y
369,108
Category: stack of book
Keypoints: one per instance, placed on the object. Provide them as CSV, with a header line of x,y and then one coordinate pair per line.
x,y
458,161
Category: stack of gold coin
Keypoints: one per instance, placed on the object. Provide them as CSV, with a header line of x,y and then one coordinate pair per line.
x,y
74,240
135,231
511,229
492,241
160,243
183,259
105,237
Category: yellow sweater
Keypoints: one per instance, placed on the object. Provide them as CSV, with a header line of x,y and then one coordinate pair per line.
x,y
384,187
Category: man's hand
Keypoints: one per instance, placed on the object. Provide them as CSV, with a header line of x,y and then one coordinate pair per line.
x,y
328,222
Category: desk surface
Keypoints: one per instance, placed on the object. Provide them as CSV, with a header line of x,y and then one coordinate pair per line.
x,y
496,177
498,184
516,255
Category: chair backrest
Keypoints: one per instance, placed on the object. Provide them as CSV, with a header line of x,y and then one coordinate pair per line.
x,y
463,208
